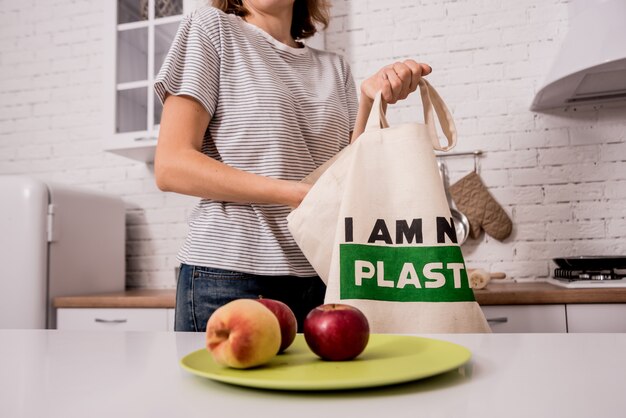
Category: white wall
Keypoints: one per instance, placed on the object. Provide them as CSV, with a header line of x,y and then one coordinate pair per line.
x,y
52,125
560,176
562,179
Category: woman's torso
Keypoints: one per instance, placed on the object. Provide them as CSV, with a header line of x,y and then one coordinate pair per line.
x,y
280,112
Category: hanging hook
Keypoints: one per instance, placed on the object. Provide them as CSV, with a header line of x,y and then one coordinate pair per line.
x,y
476,153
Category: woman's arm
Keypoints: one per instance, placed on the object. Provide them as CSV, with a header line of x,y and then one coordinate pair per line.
x,y
181,167
396,81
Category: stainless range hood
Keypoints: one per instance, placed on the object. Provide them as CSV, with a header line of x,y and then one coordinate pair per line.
x,y
591,64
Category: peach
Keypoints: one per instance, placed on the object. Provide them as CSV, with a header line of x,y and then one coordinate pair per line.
x,y
243,334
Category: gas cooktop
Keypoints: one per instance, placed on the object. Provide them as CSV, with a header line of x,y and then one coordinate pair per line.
x,y
590,271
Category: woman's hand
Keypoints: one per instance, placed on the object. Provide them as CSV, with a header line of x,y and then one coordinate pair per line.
x,y
396,81
300,190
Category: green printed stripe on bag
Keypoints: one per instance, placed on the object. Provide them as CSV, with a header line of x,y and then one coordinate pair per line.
x,y
403,274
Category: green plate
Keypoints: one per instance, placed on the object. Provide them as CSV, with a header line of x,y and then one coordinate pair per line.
x,y
387,359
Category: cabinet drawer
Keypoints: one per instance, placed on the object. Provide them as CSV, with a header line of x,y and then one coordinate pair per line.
x,y
597,317
113,319
526,318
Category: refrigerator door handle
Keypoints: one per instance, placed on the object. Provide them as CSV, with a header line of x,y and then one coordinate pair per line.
x,y
52,231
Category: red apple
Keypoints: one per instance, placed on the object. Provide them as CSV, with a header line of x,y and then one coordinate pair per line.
x,y
242,334
286,319
336,331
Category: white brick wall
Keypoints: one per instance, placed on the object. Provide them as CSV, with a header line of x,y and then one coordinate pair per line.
x,y
561,178
52,125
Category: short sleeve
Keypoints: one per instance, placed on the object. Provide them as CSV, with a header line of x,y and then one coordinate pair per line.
x,y
191,67
353,103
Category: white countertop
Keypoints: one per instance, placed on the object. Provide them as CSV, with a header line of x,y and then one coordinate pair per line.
x,y
114,374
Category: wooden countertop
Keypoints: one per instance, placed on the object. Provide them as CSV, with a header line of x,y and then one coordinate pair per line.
x,y
494,294
132,298
540,293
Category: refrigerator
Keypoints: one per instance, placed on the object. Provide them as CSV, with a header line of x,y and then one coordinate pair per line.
x,y
55,240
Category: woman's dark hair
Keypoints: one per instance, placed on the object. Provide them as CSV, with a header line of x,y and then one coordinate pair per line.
x,y
306,14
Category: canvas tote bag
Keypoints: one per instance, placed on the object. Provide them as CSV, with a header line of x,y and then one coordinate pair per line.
x,y
377,228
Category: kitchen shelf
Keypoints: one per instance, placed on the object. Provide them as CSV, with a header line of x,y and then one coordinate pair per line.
x,y
139,149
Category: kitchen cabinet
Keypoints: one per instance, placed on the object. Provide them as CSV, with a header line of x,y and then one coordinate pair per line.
x,y
113,319
591,317
512,308
138,34
133,309
597,317
526,318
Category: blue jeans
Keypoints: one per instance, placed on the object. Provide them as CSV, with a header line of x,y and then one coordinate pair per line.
x,y
201,290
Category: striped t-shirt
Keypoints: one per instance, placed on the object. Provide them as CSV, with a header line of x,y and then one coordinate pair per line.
x,y
276,111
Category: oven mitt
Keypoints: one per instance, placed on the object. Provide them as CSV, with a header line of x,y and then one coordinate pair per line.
x,y
474,200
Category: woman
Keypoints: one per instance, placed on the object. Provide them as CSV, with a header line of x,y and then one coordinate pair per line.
x,y
248,112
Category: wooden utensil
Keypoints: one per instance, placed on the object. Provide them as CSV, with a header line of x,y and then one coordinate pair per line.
x,y
479,278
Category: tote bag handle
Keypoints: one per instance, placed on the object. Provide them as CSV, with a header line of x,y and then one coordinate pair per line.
x,y
430,101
